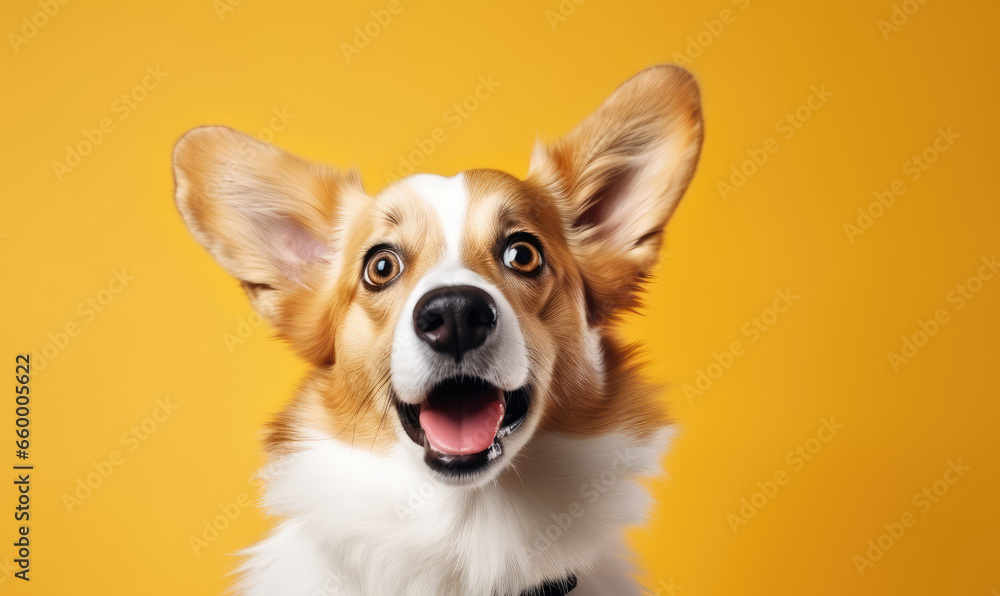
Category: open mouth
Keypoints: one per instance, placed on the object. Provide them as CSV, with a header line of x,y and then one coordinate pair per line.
x,y
462,423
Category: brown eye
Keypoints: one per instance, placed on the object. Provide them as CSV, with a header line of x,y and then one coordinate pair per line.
x,y
522,256
382,267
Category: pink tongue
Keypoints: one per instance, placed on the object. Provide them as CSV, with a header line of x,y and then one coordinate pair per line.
x,y
459,420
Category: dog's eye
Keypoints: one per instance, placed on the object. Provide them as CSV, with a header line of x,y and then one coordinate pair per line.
x,y
522,256
383,267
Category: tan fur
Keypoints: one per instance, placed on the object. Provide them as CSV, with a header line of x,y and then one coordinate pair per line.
x,y
350,398
619,176
295,235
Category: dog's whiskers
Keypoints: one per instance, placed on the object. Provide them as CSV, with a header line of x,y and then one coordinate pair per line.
x,y
369,400
385,414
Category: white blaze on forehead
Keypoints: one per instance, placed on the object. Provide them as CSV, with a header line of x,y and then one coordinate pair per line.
x,y
450,200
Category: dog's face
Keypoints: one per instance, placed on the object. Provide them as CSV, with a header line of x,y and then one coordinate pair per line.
x,y
458,315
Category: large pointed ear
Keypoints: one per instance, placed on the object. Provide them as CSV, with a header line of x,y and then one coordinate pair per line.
x,y
267,216
618,177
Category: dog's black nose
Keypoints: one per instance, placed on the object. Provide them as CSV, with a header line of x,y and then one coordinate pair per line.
x,y
455,319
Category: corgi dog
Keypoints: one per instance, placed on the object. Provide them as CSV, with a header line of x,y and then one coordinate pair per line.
x,y
471,423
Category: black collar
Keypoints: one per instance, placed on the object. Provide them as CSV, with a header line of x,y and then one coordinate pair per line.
x,y
553,588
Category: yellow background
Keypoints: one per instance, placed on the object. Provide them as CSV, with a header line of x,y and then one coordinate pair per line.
x,y
164,334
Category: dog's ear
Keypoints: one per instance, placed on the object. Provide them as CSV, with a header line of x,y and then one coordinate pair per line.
x,y
268,217
618,177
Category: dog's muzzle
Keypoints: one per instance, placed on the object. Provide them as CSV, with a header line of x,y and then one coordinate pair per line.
x,y
468,407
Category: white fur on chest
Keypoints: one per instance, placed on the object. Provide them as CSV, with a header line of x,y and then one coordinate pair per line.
x,y
362,524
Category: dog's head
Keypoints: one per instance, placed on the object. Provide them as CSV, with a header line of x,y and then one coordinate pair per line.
x,y
457,315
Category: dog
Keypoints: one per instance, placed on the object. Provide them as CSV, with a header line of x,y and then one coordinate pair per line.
x,y
471,423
